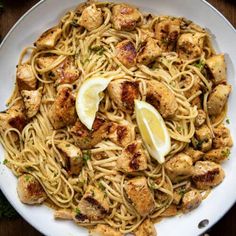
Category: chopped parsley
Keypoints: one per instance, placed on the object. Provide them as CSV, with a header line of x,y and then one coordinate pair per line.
x,y
227,121
225,153
97,49
27,178
67,145
77,211
5,161
86,155
100,185
200,65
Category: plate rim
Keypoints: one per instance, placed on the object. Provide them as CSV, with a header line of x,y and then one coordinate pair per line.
x,y
29,11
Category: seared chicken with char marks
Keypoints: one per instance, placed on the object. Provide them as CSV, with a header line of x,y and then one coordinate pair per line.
x,y
125,17
91,18
93,206
133,158
149,52
73,155
207,174
30,190
25,77
32,101
63,111
123,92
49,38
104,230
162,98
140,195
86,138
217,99
191,200
146,229
179,167
126,53
121,134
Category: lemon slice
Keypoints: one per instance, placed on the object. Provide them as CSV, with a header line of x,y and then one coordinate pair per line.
x,y
153,130
88,99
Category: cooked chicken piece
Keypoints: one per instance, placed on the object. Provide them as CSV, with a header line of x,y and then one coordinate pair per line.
x,y
222,137
25,77
49,38
191,200
190,45
125,17
123,92
193,90
140,195
146,229
170,211
217,155
179,167
29,190
179,192
93,206
126,53
122,134
146,34
196,155
207,174
200,119
217,67
149,52
91,18
133,158
63,214
217,99
162,98
177,197
86,138
65,73
73,155
167,33
104,230
63,110
204,138
32,101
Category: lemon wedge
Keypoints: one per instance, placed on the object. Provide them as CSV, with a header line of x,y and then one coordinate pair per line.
x,y
88,99
153,130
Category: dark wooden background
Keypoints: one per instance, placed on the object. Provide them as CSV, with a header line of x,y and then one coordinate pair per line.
x,y
11,12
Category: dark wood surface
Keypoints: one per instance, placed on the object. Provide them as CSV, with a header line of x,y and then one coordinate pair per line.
x,y
12,11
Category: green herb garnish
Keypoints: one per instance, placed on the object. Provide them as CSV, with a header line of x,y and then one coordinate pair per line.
x,y
97,49
86,155
77,211
225,153
227,121
200,65
5,161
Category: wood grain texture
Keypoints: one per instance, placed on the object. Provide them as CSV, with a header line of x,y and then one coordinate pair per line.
x,y
13,10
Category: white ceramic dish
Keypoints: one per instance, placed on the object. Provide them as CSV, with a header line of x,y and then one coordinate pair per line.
x,y
46,14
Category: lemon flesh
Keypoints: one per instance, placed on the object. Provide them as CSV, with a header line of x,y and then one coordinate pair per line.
x,y
153,130
88,99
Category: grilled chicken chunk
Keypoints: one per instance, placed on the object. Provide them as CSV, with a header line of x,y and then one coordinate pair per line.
x,y
63,110
63,214
167,33
65,73
91,18
93,205
191,200
217,155
126,53
25,77
149,52
32,101
179,167
207,174
49,38
146,229
162,98
125,17
73,155
104,230
29,190
86,138
217,99
133,158
222,137
201,118
217,67
140,195
204,137
121,134
196,155
123,92
190,45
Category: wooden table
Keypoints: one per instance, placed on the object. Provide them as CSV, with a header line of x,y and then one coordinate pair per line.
x,y
13,10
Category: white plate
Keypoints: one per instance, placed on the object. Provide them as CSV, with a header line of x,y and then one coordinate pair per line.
x,y
46,14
